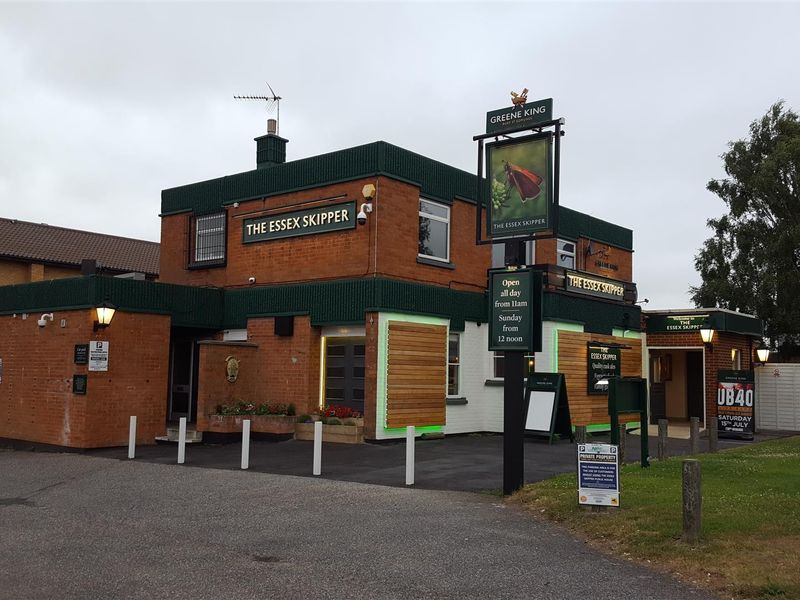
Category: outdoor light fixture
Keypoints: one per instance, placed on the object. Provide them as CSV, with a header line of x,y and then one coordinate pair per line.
x,y
105,312
762,352
707,335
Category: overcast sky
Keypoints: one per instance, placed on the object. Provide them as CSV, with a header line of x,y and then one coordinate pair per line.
x,y
104,105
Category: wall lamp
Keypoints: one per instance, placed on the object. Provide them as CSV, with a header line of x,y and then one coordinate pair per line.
x,y
707,335
105,312
762,352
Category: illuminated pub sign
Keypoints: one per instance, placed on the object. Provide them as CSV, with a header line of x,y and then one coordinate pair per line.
x,y
593,286
331,217
675,322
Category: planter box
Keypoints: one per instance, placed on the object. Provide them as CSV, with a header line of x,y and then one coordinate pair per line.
x,y
342,434
272,424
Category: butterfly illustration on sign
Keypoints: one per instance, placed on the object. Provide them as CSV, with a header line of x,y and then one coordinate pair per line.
x,y
526,182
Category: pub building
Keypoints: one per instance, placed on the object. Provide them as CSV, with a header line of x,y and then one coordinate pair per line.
x,y
350,278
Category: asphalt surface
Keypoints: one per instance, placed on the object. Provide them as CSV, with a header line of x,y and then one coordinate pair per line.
x,y
459,463
79,526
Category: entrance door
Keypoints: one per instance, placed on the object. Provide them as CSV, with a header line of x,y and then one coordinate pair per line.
x,y
344,373
695,394
180,379
658,392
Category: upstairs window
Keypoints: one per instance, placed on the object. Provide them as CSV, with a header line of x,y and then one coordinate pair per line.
x,y
565,254
434,230
208,239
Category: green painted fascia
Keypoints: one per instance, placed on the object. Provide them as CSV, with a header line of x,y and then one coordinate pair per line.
x,y
573,225
719,320
597,316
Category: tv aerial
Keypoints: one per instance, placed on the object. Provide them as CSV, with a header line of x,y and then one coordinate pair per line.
x,y
273,103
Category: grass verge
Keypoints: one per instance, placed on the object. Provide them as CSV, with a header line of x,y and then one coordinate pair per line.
x,y
750,546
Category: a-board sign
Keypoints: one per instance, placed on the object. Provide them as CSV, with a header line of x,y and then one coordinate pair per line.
x,y
98,356
602,363
79,384
735,402
598,474
515,310
81,354
547,406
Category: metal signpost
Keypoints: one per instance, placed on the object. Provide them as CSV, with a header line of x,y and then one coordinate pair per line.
x,y
520,192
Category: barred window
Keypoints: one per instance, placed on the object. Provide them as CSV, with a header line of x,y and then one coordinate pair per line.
x,y
209,238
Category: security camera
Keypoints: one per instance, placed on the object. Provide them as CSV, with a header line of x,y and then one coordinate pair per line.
x,y
251,280
41,322
362,214
43,319
235,205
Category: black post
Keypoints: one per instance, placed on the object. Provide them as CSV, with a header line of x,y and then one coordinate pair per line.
x,y
513,400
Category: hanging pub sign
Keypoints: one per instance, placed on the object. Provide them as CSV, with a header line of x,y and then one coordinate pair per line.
x,y
520,186
331,217
735,401
602,362
515,310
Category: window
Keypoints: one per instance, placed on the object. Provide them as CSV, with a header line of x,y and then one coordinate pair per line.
x,y
209,238
453,364
434,230
499,365
499,254
565,254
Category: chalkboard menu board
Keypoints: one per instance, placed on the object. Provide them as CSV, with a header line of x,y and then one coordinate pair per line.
x,y
81,354
602,362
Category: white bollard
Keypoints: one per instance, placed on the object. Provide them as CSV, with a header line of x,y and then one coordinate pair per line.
x,y
182,441
317,448
411,432
132,438
245,443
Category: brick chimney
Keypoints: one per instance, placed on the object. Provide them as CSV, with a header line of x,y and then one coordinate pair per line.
x,y
270,148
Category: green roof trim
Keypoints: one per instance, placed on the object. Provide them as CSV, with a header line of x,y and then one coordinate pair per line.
x,y
719,320
597,316
436,180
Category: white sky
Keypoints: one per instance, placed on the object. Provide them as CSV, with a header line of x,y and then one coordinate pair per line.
x,y
104,105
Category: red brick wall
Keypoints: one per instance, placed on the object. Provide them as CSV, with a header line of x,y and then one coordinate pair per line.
x,y
546,254
718,359
392,228
36,399
213,386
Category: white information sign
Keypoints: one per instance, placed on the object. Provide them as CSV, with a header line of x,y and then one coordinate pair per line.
x,y
598,474
98,356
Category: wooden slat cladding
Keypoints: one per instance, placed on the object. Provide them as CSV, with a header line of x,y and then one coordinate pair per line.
x,y
586,409
416,382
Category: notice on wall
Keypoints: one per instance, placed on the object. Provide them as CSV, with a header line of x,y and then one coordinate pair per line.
x,y
79,384
98,356
81,354
515,318
735,404
602,363
598,475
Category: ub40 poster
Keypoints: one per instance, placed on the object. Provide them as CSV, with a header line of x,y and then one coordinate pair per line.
x,y
735,404
520,194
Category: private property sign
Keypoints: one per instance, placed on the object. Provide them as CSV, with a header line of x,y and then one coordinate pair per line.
x,y
331,217
598,475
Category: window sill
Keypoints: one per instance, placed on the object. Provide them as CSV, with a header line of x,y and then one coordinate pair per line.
x,y
454,401
211,264
435,263
494,382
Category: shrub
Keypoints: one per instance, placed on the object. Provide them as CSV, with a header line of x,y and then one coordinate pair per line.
x,y
331,421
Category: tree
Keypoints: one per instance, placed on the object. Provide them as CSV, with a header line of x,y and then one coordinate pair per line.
x,y
752,262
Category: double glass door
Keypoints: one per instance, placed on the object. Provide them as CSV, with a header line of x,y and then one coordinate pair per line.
x,y
344,373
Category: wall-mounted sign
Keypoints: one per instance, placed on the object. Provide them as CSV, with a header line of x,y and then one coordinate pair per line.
x,y
232,368
604,264
331,217
598,474
593,286
735,401
98,356
79,384
675,322
519,176
81,354
517,117
602,363
515,312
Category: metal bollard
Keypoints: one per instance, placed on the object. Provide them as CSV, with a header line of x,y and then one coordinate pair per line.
x,y
182,441
246,443
580,434
132,438
622,432
317,448
692,500
410,435
694,435
663,432
713,438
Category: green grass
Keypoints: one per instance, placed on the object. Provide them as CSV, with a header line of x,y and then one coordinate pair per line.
x,y
750,546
